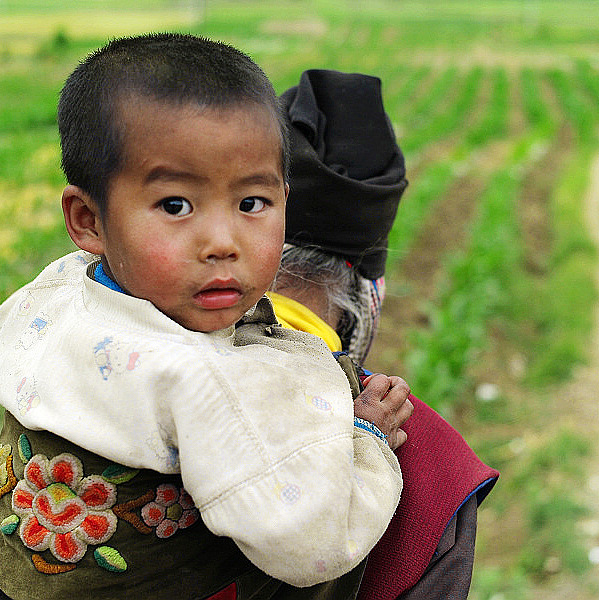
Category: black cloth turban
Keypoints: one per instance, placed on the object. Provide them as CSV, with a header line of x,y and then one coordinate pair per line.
x,y
347,171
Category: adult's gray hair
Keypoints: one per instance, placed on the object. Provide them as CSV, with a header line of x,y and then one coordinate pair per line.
x,y
307,269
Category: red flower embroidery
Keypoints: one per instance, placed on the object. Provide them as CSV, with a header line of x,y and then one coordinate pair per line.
x,y
61,510
172,509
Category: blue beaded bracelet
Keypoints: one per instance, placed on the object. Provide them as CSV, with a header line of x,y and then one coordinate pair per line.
x,y
371,428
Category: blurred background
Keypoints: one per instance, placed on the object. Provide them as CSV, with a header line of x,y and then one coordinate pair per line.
x,y
490,312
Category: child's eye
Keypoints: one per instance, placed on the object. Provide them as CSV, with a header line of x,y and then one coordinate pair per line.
x,y
252,204
176,206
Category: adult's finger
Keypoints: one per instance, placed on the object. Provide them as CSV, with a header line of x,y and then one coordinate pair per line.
x,y
375,389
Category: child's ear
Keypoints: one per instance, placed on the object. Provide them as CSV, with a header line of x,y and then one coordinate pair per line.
x,y
82,218
286,191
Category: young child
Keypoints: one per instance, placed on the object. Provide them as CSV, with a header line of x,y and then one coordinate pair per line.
x,y
164,437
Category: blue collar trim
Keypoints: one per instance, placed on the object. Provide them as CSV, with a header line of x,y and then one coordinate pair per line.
x,y
101,277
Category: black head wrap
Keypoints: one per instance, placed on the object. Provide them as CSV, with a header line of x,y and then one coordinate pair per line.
x,y
347,171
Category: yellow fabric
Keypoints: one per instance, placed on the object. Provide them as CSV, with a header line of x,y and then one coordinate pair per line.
x,y
294,315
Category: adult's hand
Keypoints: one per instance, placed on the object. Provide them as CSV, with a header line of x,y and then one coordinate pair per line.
x,y
384,402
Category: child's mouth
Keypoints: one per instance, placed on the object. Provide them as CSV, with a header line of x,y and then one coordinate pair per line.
x,y
217,295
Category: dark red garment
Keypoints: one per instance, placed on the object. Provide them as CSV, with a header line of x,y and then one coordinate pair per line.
x,y
440,472
229,593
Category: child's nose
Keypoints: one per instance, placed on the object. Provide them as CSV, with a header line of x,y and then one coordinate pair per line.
x,y
219,244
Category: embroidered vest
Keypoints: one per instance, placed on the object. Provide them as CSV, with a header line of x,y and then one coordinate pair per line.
x,y
76,525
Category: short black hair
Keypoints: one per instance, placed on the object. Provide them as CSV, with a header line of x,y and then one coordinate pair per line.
x,y
171,67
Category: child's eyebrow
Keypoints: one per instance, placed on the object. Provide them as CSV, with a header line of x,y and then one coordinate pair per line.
x,y
265,179
162,173
169,174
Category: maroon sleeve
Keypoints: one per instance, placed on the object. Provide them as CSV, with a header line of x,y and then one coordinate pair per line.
x,y
440,473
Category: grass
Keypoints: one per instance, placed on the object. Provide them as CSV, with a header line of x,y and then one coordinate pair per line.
x,y
432,184
575,106
494,122
451,72
429,106
449,118
535,108
474,291
564,319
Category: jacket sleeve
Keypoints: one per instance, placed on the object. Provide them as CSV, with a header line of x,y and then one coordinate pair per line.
x,y
449,573
276,464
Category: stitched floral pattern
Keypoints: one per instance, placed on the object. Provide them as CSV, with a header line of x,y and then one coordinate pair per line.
x,y
171,510
8,481
61,510
5,452
56,508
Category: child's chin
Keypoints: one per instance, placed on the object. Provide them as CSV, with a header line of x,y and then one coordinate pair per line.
x,y
212,322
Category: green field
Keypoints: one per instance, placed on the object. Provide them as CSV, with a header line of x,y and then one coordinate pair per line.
x,y
491,277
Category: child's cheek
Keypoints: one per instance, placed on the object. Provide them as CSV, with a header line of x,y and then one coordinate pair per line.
x,y
162,262
271,254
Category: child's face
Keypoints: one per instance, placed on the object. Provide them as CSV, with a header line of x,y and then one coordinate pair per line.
x,y
195,220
